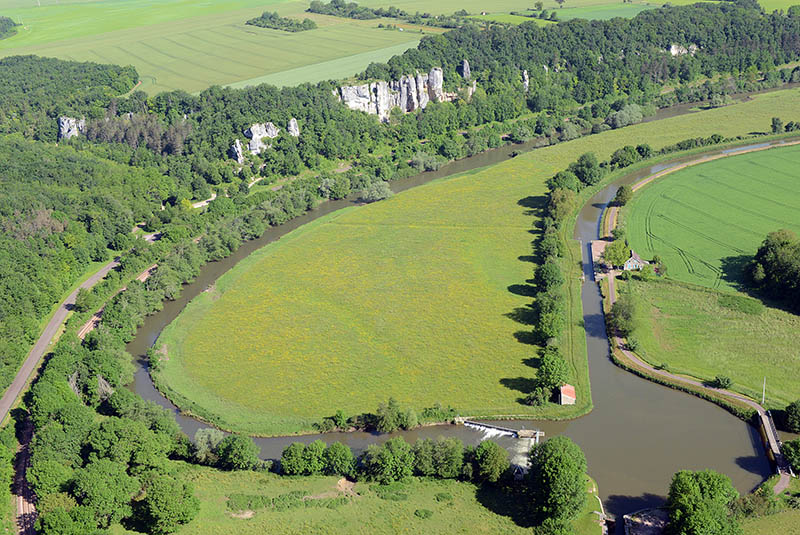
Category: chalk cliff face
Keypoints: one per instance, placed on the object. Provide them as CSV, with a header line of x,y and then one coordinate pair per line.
x,y
465,70
69,127
409,93
526,81
257,133
294,128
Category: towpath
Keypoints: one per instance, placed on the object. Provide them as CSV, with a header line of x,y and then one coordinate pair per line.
x,y
610,222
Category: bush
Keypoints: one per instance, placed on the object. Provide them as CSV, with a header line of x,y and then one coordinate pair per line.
x,y
423,513
377,191
722,381
238,452
491,461
443,497
538,397
793,416
791,450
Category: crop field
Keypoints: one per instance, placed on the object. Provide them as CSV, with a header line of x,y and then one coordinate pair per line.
x,y
698,331
705,222
179,44
460,507
407,297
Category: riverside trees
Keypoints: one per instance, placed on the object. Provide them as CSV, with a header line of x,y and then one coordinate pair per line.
x,y
557,480
699,504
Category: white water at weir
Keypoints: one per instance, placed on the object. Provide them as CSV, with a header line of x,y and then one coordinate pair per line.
x,y
490,432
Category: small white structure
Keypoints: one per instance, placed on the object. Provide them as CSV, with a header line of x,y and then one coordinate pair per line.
x,y
634,263
566,395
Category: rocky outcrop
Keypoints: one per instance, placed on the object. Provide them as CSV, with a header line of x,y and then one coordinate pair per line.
x,y
257,133
526,81
293,128
465,71
409,93
236,152
679,50
69,127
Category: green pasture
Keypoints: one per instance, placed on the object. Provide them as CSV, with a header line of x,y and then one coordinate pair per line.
x,y
469,509
695,331
408,297
707,221
508,18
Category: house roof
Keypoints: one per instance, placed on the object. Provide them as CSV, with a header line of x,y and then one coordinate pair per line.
x,y
568,390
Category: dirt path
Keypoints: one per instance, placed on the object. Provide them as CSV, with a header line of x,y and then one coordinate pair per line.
x,y
202,204
610,222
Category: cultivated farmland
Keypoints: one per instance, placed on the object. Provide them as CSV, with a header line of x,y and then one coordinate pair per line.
x,y
705,222
406,298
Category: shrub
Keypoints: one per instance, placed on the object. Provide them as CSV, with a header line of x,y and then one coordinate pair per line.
x,y
722,381
377,191
793,416
339,460
741,303
491,461
423,513
538,397
443,497
238,452
791,450
393,461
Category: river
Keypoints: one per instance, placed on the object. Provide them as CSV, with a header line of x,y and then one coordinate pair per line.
x,y
639,433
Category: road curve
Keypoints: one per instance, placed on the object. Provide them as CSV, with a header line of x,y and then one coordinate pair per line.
x,y
43,343
607,224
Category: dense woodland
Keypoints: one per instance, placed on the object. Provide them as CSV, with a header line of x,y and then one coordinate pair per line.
x,y
276,22
100,455
7,27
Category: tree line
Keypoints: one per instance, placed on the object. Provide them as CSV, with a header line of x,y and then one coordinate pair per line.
x,y
276,22
775,268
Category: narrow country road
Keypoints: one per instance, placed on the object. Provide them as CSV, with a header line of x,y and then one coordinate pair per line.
x,y
43,343
608,223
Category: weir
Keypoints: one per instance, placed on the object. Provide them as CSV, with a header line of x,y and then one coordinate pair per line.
x,y
490,430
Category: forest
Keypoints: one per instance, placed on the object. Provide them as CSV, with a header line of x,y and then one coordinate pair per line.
x,y
276,22
7,27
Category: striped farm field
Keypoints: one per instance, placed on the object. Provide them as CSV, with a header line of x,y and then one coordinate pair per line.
x,y
410,298
707,221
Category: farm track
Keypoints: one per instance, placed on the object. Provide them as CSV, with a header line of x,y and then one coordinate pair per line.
x,y
772,438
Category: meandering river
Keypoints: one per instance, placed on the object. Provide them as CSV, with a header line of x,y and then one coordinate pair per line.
x,y
639,433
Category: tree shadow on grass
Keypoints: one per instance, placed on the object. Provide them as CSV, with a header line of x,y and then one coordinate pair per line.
x,y
534,203
509,501
525,315
528,338
524,385
525,290
734,270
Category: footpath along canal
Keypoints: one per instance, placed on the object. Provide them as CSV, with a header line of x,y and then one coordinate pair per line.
x,y
639,433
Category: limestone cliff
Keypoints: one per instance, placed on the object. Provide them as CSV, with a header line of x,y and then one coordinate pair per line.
x,y
293,128
236,152
409,93
69,127
257,133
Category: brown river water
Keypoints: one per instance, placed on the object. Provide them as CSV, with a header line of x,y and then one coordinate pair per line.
x,y
639,433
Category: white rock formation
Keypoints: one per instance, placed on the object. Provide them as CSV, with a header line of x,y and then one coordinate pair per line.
x,y
526,81
409,93
679,50
237,153
294,128
465,71
69,127
257,133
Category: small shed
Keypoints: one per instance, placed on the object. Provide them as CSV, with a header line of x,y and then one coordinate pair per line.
x,y
566,395
634,263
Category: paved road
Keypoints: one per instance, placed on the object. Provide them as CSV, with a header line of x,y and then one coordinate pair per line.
x,y
43,343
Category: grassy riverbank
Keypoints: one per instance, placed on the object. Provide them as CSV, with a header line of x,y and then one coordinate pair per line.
x,y
703,333
456,507
407,298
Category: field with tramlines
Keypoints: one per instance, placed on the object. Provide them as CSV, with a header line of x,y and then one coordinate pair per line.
x,y
707,221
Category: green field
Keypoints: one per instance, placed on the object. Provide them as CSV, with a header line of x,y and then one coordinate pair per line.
x,y
689,329
179,44
471,510
706,221
406,298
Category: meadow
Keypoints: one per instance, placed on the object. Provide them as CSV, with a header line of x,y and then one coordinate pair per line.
x,y
705,333
460,507
408,297
707,221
